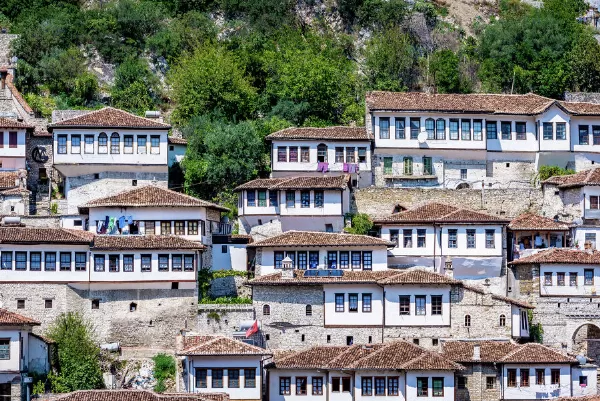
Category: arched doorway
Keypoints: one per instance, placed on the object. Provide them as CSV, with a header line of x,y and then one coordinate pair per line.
x,y
586,341
463,185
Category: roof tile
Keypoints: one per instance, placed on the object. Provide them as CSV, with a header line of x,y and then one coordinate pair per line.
x,y
325,133
9,179
217,345
114,242
10,123
314,238
8,318
439,212
109,117
503,351
582,178
139,395
30,235
560,256
319,182
531,221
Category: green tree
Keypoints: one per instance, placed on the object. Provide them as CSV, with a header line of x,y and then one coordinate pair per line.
x,y
135,89
164,369
361,224
546,172
444,67
78,354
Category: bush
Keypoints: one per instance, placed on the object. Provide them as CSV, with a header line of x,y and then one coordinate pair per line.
x,y
164,369
361,224
546,172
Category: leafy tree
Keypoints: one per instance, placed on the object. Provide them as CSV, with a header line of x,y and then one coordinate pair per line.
x,y
164,369
382,14
78,354
444,66
584,64
361,224
135,89
546,172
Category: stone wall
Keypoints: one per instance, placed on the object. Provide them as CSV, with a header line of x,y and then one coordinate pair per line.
x,y
476,389
5,51
39,156
223,319
231,286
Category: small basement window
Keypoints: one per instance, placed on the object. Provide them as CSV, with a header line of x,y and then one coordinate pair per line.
x,y
349,340
95,304
78,223
48,303
97,176
171,148
132,307
175,285
20,304
134,183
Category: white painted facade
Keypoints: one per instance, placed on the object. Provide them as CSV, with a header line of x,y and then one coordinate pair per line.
x,y
229,257
412,378
569,280
25,351
519,322
428,316
12,149
176,153
532,391
584,380
353,313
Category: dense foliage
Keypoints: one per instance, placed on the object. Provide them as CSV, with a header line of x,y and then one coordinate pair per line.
x,y
164,369
232,71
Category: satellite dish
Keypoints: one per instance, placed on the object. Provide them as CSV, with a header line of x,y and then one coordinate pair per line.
x,y
422,137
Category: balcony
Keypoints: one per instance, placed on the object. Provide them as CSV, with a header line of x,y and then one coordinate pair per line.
x,y
219,228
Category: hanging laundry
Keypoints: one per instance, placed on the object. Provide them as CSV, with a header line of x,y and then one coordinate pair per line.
x,y
121,222
99,226
325,167
106,220
111,225
129,220
346,167
125,230
320,166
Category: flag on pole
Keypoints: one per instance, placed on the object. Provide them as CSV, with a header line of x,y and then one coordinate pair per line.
x,y
253,329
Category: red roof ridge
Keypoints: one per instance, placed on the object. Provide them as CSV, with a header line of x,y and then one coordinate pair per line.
x,y
84,120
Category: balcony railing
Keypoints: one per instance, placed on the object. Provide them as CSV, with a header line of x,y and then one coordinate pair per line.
x,y
219,228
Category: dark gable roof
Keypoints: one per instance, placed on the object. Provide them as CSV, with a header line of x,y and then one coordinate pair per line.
x,y
151,196
28,235
217,345
113,242
397,355
339,182
580,179
109,117
560,256
320,239
139,395
326,133
10,123
439,212
531,221
503,351
528,104
8,318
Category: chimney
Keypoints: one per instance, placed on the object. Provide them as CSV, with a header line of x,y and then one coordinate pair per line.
x,y
448,269
154,115
477,352
287,268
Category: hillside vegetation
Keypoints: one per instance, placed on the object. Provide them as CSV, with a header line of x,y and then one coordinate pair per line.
x,y
228,72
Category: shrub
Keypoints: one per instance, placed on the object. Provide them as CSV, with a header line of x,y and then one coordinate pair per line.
x,y
164,369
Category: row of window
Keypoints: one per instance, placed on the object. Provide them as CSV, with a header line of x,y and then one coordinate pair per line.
x,y
380,386
233,378
588,278
388,163
340,303
22,259
407,238
420,305
12,139
90,145
584,134
524,378
463,129
338,385
302,260
166,227
349,154
318,198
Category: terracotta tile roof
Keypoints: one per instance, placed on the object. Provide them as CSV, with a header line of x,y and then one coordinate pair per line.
x,y
439,212
560,256
14,191
9,179
314,238
582,178
419,277
397,355
528,104
326,133
177,141
348,277
513,301
28,235
536,353
581,108
10,123
217,345
320,182
8,318
582,398
151,196
503,351
531,221
113,242
140,395
109,117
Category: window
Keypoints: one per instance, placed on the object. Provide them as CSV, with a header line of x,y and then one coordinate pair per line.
x,y
554,376
427,165
440,129
452,238
470,238
490,382
113,263
300,385
467,320
339,302
521,130
384,128
548,279
201,375
362,155
404,302
317,386
560,279
462,382
346,380
502,321
415,128
436,304
322,153
290,199
506,128
388,166
420,305
95,303
524,377
332,260
366,303
335,385
262,198
367,386
561,131
20,260
350,155
367,257
407,238
75,143
217,378
463,173
128,144
282,154
356,258
584,134
453,128
352,302
588,277
141,144
233,378
273,201
511,377
465,130
339,155
477,130
422,387
400,127
408,166
149,227
394,236
80,261
583,381
319,199
88,144
192,227
380,386
305,199
102,143
128,263
392,384
278,259
437,384
305,154
35,261
188,263
490,238
540,377
165,228
146,263
250,378
115,143
65,261
430,128
294,154
20,304
155,144
7,257
163,263
62,144
572,279
266,310
251,198
285,384
548,131
344,259
491,130
4,348
49,262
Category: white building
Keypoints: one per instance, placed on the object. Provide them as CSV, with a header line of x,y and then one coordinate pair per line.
x,y
398,370
12,144
177,149
466,141
275,205
530,232
318,151
213,364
